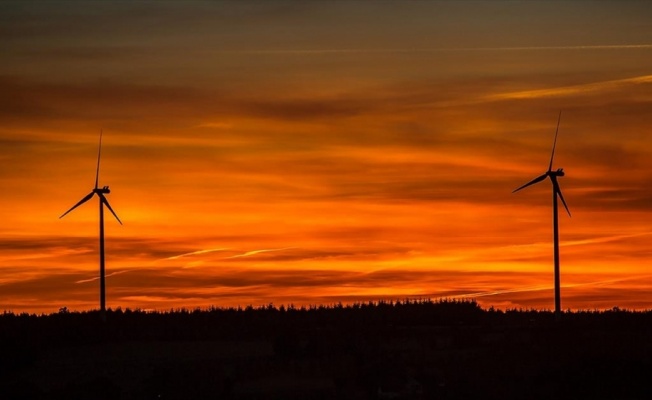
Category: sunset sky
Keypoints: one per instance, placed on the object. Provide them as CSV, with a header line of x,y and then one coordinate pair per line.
x,y
326,151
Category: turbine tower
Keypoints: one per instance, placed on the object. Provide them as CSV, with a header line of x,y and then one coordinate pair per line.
x,y
556,193
100,192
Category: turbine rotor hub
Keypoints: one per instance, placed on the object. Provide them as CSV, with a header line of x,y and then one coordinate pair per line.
x,y
105,189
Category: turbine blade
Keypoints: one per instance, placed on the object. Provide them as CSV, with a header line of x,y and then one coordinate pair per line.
x,y
532,182
554,144
557,190
99,152
82,201
106,203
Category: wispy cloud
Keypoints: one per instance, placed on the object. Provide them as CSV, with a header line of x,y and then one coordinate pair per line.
x,y
539,288
215,125
254,252
195,253
642,46
604,239
588,88
97,277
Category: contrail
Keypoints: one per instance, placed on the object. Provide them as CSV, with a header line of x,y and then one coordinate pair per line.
x,y
254,252
560,91
156,261
547,287
192,253
643,46
106,276
604,239
506,291
570,90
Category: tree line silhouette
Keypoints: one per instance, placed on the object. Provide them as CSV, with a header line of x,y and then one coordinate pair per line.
x,y
411,349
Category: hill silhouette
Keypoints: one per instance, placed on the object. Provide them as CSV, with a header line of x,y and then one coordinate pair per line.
x,y
413,349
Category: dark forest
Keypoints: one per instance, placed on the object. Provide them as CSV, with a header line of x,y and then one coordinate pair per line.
x,y
413,349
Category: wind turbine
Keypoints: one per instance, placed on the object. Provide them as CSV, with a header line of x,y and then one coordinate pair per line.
x,y
556,193
100,192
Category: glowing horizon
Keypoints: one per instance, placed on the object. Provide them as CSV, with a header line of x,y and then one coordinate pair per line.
x,y
319,153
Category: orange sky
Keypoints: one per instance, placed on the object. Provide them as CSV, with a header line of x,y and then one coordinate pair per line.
x,y
317,152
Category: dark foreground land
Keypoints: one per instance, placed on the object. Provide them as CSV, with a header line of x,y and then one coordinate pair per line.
x,y
404,350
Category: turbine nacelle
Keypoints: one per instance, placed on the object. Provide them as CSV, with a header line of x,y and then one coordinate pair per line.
x,y
105,189
559,172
